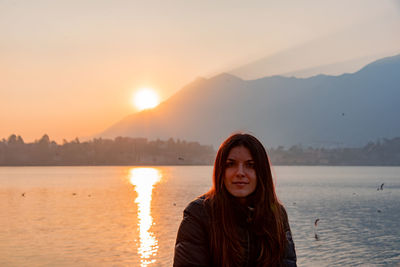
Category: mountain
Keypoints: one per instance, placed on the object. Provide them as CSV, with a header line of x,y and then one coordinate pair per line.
x,y
320,111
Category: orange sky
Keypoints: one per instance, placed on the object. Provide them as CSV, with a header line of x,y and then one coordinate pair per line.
x,y
70,68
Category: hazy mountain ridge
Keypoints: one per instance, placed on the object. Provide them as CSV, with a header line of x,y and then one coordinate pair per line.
x,y
345,110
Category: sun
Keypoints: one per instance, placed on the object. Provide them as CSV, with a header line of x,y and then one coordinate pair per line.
x,y
145,98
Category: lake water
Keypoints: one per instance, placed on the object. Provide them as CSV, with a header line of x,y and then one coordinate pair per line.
x,y
128,216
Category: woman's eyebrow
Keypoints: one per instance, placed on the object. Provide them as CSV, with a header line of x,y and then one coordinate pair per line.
x,y
233,160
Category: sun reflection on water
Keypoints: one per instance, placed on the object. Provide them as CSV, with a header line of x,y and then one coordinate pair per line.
x,y
144,179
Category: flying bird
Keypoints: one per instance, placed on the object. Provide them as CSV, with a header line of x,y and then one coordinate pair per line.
x,y
380,187
316,236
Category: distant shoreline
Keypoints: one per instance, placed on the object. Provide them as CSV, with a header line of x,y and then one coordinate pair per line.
x,y
128,151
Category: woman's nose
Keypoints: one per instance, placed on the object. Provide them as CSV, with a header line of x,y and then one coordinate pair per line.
x,y
240,170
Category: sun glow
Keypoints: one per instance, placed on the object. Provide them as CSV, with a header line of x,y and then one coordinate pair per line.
x,y
146,98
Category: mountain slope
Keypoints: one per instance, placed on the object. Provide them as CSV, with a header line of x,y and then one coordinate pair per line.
x,y
350,109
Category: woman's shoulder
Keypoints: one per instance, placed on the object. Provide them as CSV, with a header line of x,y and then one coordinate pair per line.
x,y
198,206
285,218
283,211
196,218
191,248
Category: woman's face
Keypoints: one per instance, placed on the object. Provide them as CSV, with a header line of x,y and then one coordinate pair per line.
x,y
240,177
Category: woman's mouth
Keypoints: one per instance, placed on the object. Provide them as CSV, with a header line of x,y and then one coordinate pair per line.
x,y
240,183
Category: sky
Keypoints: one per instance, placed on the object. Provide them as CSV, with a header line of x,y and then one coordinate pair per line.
x,y
69,68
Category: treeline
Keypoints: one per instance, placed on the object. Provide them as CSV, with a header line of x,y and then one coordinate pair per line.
x,y
385,152
119,151
140,151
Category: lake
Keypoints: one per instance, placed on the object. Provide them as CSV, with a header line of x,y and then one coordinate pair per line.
x,y
101,216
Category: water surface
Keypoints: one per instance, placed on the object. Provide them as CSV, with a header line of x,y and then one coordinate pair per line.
x,y
86,216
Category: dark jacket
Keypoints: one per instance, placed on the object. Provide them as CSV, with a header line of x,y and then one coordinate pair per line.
x,y
192,242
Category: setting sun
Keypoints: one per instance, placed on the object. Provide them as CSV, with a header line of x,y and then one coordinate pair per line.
x,y
145,98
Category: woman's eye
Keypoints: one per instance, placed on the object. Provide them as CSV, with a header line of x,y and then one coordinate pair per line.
x,y
250,165
229,164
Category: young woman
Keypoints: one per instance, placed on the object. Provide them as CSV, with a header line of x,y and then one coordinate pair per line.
x,y
240,221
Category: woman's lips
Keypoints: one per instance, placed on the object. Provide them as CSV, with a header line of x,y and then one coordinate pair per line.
x,y
240,183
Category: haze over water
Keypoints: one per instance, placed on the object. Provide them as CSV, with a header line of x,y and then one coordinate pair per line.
x,y
89,216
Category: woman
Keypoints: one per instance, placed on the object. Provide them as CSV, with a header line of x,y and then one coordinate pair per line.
x,y
240,221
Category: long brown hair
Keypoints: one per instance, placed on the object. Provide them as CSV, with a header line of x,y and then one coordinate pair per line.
x,y
267,220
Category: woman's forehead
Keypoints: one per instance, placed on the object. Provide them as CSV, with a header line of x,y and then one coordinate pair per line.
x,y
241,152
